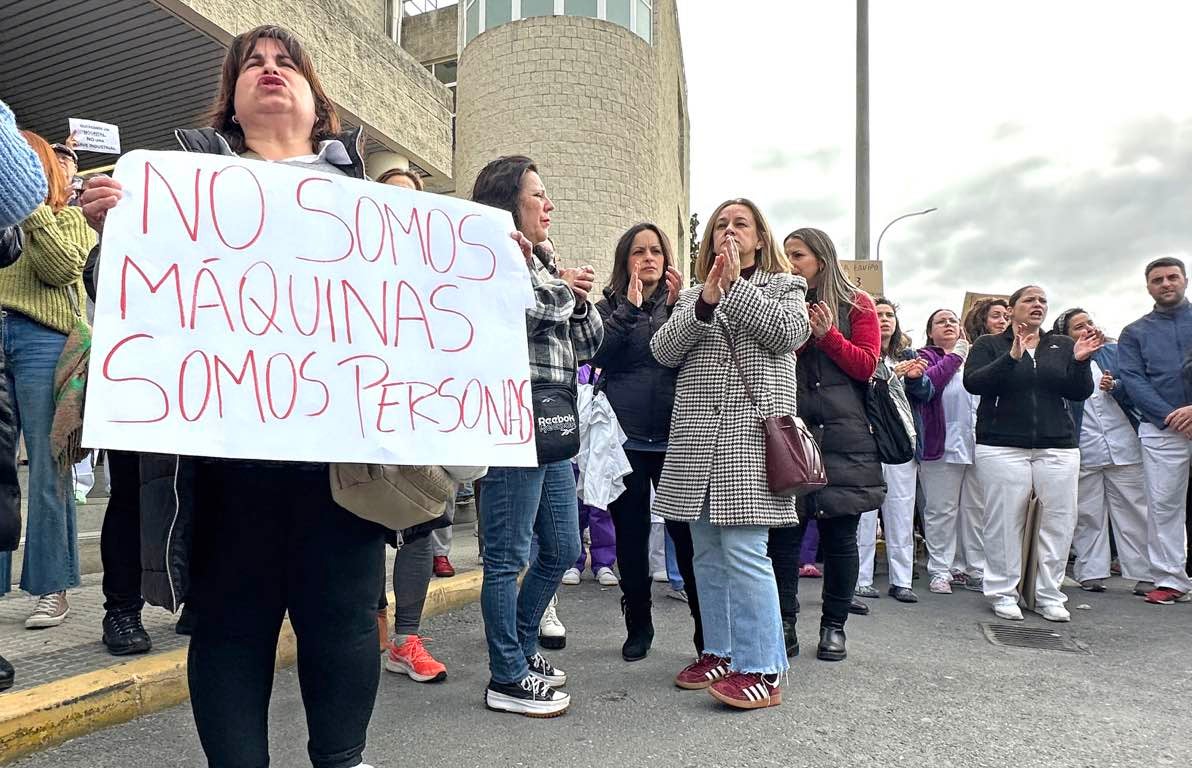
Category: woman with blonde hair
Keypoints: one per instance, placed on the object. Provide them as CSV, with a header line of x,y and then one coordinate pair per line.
x,y
835,367
732,339
42,295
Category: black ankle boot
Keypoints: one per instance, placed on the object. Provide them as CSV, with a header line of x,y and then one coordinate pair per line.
x,y
639,629
791,639
7,674
831,644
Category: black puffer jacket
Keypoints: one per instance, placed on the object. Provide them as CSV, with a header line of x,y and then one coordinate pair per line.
x,y
167,482
1024,402
833,406
10,488
640,389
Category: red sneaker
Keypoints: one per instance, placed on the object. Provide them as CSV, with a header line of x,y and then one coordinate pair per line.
x,y
701,673
747,690
443,567
1167,596
411,658
810,571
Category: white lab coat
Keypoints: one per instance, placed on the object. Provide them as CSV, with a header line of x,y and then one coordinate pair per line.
x,y
603,465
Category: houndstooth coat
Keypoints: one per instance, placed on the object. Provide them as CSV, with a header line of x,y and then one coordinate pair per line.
x,y
716,445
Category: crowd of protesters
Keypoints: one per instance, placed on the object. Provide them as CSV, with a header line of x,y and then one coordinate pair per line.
x,y
1024,444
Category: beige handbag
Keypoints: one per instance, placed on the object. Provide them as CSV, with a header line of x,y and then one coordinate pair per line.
x,y
397,496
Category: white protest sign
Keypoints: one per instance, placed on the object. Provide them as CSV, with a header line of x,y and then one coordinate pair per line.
x,y
95,136
266,311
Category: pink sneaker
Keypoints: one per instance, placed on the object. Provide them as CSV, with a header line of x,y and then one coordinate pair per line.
x,y
411,658
810,571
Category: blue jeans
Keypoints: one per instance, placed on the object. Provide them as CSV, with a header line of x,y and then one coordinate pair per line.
x,y
672,565
518,504
51,561
738,596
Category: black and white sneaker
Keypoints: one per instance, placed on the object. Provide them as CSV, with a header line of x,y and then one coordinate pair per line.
x,y
531,697
546,672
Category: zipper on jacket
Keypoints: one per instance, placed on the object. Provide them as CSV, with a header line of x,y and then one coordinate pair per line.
x,y
1034,396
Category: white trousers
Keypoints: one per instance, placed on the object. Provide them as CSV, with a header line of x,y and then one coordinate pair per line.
x,y
898,517
1165,460
953,518
1118,494
1008,475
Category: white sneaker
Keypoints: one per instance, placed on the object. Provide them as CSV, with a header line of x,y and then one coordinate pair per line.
x,y
607,578
551,632
660,576
51,610
1007,608
1053,612
1069,582
571,577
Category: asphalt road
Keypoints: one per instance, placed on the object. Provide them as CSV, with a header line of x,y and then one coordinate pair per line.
x,y
922,687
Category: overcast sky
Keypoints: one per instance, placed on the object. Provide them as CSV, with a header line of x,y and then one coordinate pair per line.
x,y
1055,138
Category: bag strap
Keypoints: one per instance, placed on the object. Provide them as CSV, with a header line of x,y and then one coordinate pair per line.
x,y
732,348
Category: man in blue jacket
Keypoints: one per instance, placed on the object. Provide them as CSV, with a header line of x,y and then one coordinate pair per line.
x,y
1151,356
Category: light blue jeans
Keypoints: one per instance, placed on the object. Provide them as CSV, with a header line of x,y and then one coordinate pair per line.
x,y
672,564
51,561
519,504
738,597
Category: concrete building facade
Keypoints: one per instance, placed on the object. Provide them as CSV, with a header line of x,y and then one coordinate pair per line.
x,y
593,90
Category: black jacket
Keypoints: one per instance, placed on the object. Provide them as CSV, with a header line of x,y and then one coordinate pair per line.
x,y
167,482
1024,402
639,388
10,489
833,406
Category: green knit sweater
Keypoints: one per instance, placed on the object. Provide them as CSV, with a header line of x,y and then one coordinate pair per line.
x,y
39,284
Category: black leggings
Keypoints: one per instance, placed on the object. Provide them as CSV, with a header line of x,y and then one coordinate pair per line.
x,y
631,519
120,541
269,539
838,543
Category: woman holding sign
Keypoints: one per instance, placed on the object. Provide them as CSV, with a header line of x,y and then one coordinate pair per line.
x,y
267,537
732,339
518,503
1027,442
42,295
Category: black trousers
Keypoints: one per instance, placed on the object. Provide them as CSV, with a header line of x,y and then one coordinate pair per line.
x,y
269,539
838,544
120,539
631,520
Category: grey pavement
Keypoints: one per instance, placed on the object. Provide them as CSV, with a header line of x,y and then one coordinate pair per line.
x,y
922,687
74,647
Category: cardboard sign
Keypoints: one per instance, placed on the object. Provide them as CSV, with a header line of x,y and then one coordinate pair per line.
x,y
266,311
866,275
971,298
95,136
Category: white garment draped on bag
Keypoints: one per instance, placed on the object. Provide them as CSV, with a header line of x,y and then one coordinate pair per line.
x,y
603,465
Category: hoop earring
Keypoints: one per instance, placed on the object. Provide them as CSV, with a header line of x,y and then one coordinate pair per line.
x,y
235,120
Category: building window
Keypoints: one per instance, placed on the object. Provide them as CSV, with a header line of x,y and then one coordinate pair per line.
x,y
635,15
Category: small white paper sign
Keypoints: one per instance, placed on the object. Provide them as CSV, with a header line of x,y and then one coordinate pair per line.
x,y
264,311
95,136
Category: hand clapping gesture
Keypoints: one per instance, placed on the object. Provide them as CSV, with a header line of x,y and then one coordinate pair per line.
x,y
674,285
725,271
821,319
1023,337
1092,340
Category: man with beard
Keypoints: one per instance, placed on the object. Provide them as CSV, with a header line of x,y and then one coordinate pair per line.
x,y
1151,356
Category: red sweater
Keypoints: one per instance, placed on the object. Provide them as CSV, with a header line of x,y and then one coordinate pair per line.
x,y
858,354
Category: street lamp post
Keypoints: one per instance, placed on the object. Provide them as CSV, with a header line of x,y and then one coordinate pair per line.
x,y
892,223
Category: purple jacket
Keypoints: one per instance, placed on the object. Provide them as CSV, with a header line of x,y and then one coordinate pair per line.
x,y
941,368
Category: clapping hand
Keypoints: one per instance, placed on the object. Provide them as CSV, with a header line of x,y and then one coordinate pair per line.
x,y
911,369
1092,340
1023,336
634,292
821,319
674,284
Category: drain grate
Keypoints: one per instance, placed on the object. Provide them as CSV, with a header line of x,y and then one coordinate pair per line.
x,y
1043,639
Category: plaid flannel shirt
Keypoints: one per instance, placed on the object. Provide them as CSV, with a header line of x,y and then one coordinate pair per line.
x,y
562,335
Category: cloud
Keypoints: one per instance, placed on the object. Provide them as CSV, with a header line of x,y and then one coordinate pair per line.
x,y
1084,235
814,210
775,159
1006,131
